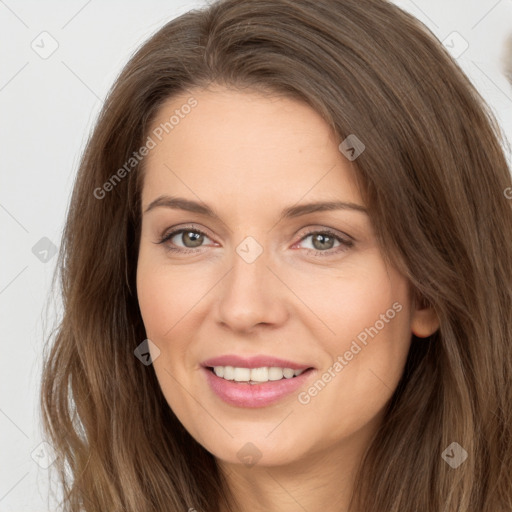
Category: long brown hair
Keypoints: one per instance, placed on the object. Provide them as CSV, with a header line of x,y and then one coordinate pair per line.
x,y
435,180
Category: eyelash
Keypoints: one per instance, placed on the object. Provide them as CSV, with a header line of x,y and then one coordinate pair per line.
x,y
345,244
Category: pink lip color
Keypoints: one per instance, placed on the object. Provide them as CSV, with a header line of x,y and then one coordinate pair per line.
x,y
259,361
243,394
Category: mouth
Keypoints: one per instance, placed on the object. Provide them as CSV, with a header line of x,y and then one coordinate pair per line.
x,y
256,376
241,388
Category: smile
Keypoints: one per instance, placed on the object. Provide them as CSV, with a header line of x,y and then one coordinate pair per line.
x,y
255,375
249,393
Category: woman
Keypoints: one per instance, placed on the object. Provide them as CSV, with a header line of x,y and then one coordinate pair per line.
x,y
248,152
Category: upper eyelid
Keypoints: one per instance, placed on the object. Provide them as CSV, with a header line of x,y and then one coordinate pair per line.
x,y
177,230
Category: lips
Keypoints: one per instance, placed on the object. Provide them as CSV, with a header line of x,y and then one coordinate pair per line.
x,y
255,394
258,361
245,395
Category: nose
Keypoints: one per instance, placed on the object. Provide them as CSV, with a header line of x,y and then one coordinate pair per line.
x,y
251,295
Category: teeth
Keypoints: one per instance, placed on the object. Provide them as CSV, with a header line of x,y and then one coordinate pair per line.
x,y
275,373
242,374
229,372
253,375
288,373
258,374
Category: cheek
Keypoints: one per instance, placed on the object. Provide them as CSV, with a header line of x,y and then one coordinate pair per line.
x,y
370,365
375,327
352,391
368,313
164,301
354,297
165,295
156,302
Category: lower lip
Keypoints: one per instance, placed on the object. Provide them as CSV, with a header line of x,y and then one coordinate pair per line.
x,y
243,394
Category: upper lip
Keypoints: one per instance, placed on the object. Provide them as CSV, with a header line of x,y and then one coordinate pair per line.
x,y
258,361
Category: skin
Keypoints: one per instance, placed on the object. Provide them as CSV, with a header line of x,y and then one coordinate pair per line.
x,y
248,156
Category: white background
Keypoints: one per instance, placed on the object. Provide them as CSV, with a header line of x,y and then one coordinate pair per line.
x,y
47,110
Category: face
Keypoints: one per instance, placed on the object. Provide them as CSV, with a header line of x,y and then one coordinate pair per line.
x,y
232,263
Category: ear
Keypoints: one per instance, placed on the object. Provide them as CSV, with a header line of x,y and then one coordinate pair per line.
x,y
424,319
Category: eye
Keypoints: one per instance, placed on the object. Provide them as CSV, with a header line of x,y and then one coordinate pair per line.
x,y
192,238
323,242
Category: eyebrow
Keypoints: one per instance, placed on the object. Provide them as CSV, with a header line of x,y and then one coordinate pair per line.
x,y
180,203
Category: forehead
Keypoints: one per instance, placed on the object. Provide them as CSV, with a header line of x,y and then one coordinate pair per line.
x,y
245,144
